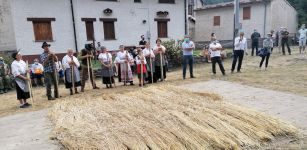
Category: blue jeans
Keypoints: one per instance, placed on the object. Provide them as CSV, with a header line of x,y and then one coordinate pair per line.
x,y
187,59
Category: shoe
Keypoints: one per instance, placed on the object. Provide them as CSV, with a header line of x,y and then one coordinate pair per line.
x,y
140,85
192,77
1,92
82,90
224,74
5,91
131,83
44,85
27,104
239,72
23,106
71,92
232,72
96,88
183,78
50,98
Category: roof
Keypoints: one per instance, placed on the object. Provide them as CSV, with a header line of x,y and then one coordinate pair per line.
x,y
228,4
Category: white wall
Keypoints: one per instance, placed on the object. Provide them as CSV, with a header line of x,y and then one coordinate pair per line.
x,y
204,23
7,37
61,28
129,24
128,27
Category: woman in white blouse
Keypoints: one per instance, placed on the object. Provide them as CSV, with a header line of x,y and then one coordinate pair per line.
x,y
123,59
107,72
150,58
19,71
72,74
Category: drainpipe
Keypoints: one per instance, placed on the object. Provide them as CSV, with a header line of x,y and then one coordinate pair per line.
x,y
265,16
185,16
74,24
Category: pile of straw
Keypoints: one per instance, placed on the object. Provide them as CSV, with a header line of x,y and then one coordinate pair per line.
x,y
162,117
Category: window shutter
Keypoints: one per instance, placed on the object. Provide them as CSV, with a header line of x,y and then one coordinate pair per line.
x,y
109,30
42,30
246,13
216,20
162,29
89,30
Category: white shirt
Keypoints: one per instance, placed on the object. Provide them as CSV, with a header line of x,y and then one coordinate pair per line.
x,y
148,52
240,45
216,53
156,48
185,46
105,57
37,67
66,60
303,33
121,57
138,61
18,68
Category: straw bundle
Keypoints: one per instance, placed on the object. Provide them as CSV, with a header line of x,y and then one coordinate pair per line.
x,y
162,117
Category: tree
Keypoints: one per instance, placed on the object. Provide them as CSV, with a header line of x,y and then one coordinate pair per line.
x,y
300,6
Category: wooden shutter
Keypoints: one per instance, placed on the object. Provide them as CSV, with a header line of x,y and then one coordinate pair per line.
x,y
42,30
89,30
246,13
216,20
162,29
109,30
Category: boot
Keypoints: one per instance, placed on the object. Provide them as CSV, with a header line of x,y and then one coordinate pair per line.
x,y
76,91
82,89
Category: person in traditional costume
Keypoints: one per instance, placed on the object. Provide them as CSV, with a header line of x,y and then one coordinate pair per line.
x,y
141,66
150,65
86,66
107,72
123,60
48,60
160,61
71,72
19,71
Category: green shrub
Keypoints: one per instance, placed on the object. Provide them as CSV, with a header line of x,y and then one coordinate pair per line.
x,y
173,52
7,59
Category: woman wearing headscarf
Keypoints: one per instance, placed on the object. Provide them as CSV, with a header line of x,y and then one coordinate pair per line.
x,y
72,74
107,73
19,71
123,59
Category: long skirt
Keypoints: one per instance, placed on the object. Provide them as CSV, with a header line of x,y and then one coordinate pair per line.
x,y
77,80
158,72
126,73
107,75
21,94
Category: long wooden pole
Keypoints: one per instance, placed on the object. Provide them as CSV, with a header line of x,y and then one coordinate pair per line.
x,y
56,88
30,85
142,75
88,70
161,66
72,68
151,70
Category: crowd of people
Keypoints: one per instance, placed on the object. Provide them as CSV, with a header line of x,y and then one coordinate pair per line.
x,y
148,63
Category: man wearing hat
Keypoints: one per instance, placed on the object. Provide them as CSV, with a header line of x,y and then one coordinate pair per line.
x,y
48,60
4,77
255,41
188,48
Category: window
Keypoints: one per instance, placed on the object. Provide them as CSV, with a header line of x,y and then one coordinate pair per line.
x,y
190,10
42,28
167,1
89,27
246,13
109,28
162,27
137,1
216,20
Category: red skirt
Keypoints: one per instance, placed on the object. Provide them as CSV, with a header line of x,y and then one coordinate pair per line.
x,y
138,69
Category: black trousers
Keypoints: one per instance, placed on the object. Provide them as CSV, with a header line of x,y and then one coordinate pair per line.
x,y
254,46
283,43
238,54
267,57
218,60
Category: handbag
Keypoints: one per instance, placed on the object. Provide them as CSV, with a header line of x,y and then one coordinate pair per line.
x,y
263,52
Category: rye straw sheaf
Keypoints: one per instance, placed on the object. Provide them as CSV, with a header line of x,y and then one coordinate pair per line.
x,y
162,117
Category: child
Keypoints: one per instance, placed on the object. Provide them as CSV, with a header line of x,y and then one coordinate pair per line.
x,y
141,66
